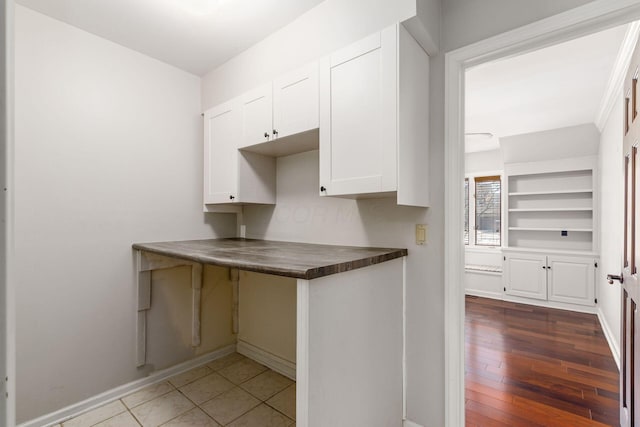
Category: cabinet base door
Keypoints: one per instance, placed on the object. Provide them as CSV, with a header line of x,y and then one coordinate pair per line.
x,y
526,276
571,280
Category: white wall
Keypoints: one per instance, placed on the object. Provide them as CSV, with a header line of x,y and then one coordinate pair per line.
x,y
330,25
612,213
483,161
562,143
108,152
300,215
469,21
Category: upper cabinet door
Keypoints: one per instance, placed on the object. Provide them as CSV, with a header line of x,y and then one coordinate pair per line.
x,y
257,116
221,135
295,101
358,117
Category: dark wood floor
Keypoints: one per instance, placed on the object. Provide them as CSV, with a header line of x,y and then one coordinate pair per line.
x,y
533,366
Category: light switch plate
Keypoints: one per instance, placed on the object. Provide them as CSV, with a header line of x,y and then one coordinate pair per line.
x,y
421,234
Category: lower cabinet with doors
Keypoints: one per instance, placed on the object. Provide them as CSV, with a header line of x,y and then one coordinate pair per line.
x,y
560,277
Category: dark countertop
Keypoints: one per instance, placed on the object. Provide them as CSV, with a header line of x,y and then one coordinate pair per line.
x,y
299,260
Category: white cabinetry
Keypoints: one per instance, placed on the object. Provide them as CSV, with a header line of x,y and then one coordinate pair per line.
x,y
571,279
563,278
257,110
243,136
374,119
525,275
283,108
551,228
231,176
295,101
221,126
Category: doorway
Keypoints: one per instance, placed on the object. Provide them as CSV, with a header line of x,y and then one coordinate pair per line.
x,y
554,30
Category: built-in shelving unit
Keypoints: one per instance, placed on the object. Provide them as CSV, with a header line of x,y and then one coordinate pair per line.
x,y
551,204
550,226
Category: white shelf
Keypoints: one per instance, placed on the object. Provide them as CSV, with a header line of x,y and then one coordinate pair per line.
x,y
544,193
582,230
553,210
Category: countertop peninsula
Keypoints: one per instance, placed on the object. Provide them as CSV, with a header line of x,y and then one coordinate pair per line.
x,y
298,260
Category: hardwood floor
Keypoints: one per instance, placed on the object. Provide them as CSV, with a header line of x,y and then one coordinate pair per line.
x,y
533,366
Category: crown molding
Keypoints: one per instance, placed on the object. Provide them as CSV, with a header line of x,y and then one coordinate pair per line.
x,y
618,73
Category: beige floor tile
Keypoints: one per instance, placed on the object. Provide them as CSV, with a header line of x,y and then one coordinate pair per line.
x,y
225,361
190,376
262,416
96,415
285,402
123,420
206,388
162,409
193,418
230,405
266,384
242,371
147,394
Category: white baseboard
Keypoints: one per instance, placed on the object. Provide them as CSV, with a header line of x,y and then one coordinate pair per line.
x,y
551,304
615,350
407,423
483,294
269,360
123,390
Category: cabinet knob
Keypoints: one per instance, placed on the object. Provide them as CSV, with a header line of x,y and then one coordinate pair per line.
x,y
275,132
266,134
231,197
323,189
544,267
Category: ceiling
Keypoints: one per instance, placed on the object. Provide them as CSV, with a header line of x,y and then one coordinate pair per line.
x,y
555,87
194,35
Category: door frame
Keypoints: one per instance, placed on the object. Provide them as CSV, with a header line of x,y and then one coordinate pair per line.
x,y
592,17
7,305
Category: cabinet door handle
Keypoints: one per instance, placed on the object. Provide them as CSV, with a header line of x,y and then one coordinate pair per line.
x,y
275,132
231,197
548,267
323,189
266,134
544,267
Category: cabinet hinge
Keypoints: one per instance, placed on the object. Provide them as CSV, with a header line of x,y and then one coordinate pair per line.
x,y
595,300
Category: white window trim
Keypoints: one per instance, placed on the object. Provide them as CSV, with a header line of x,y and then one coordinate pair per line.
x,y
472,208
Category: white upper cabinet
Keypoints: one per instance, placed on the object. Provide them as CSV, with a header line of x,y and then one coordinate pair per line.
x,y
295,102
232,176
257,111
286,107
374,119
221,131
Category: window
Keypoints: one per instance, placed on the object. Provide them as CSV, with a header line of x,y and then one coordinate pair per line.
x,y
483,214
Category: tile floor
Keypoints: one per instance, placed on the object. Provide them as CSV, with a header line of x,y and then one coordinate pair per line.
x,y
231,391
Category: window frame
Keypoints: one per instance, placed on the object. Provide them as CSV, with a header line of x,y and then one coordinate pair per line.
x,y
472,176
